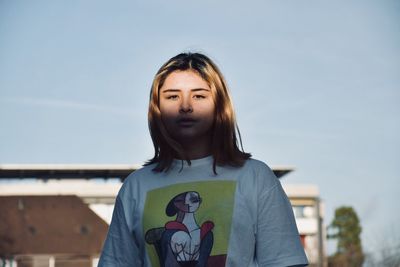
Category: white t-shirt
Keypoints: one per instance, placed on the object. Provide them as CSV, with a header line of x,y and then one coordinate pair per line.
x,y
188,216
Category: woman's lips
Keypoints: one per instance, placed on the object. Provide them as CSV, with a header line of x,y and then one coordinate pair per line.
x,y
186,122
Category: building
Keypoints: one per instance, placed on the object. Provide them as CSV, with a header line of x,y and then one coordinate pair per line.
x,y
49,230
309,214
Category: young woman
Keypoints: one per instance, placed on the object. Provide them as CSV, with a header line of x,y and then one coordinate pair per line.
x,y
200,201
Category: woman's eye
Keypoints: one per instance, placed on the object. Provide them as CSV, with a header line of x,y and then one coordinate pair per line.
x,y
172,97
199,96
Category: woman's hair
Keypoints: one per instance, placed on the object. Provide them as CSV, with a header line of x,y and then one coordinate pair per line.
x,y
225,133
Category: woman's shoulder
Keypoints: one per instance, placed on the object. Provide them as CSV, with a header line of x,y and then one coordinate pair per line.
x,y
134,180
263,174
257,165
139,173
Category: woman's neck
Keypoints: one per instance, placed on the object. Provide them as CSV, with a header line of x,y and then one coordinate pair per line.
x,y
197,149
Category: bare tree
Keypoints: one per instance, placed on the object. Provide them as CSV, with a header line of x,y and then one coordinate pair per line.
x,y
386,251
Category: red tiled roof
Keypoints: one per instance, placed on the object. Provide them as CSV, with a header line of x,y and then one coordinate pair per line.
x,y
49,225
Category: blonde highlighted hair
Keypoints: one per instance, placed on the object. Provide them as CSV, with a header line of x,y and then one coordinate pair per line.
x,y
225,133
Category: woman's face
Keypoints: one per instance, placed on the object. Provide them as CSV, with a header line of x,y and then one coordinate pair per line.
x,y
187,106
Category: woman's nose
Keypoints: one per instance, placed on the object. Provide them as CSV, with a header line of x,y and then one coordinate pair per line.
x,y
186,106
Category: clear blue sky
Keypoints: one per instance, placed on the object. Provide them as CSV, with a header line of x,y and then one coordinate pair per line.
x,y
315,85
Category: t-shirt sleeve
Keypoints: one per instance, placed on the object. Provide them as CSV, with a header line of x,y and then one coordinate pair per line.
x,y
277,238
120,249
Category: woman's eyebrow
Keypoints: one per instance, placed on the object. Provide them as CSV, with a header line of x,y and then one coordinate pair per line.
x,y
200,89
170,90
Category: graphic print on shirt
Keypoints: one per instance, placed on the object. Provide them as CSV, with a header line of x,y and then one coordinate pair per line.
x,y
188,224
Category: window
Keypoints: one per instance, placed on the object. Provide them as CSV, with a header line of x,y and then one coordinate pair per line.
x,y
304,211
